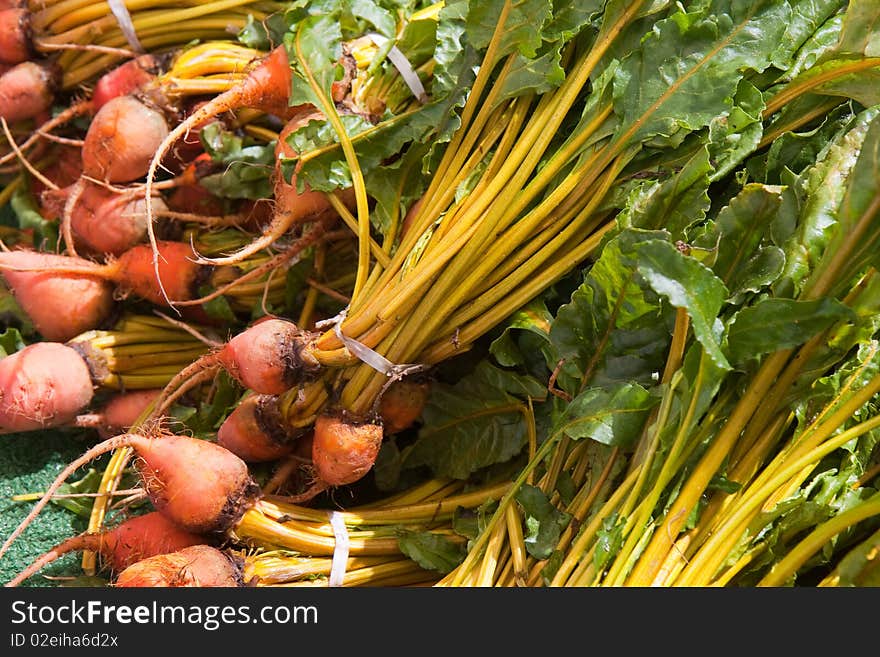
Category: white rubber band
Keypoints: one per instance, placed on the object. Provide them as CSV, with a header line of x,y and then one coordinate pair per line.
x,y
340,551
401,63
120,12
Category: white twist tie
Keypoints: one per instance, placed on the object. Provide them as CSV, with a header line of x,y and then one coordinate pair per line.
x,y
340,551
401,63
120,12
363,353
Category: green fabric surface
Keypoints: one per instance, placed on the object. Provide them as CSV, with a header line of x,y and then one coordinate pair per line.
x,y
28,463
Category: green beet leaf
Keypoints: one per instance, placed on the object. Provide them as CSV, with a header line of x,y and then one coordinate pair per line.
x,y
675,203
860,32
688,284
609,540
544,521
10,342
735,135
860,567
688,68
811,208
746,259
245,165
25,208
854,242
569,18
615,328
774,324
519,31
431,551
475,423
613,416
533,318
809,23
314,45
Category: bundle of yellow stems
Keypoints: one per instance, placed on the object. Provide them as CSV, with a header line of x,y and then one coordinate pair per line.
x,y
139,352
88,38
295,545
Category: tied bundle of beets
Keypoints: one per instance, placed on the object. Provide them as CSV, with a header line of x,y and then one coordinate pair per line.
x,y
602,271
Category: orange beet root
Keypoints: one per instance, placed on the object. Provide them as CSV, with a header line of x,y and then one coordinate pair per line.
x,y
44,385
199,565
15,35
196,484
137,538
122,140
120,412
270,357
402,404
105,222
255,431
61,305
200,485
134,272
344,448
124,79
27,90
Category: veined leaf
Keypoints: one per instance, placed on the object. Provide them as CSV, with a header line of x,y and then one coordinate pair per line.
x,y
473,522
418,39
860,566
533,74
24,206
381,18
866,307
245,166
317,39
849,67
534,318
848,76
687,69
544,521
13,316
431,551
823,41
475,423
674,204
794,152
688,284
822,394
609,540
521,28
81,506
217,308
10,342
746,260
630,22
569,18
316,133
395,188
207,418
614,329
613,416
454,55
264,34
774,324
854,241
860,32
861,86
373,144
806,21
811,207
735,135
